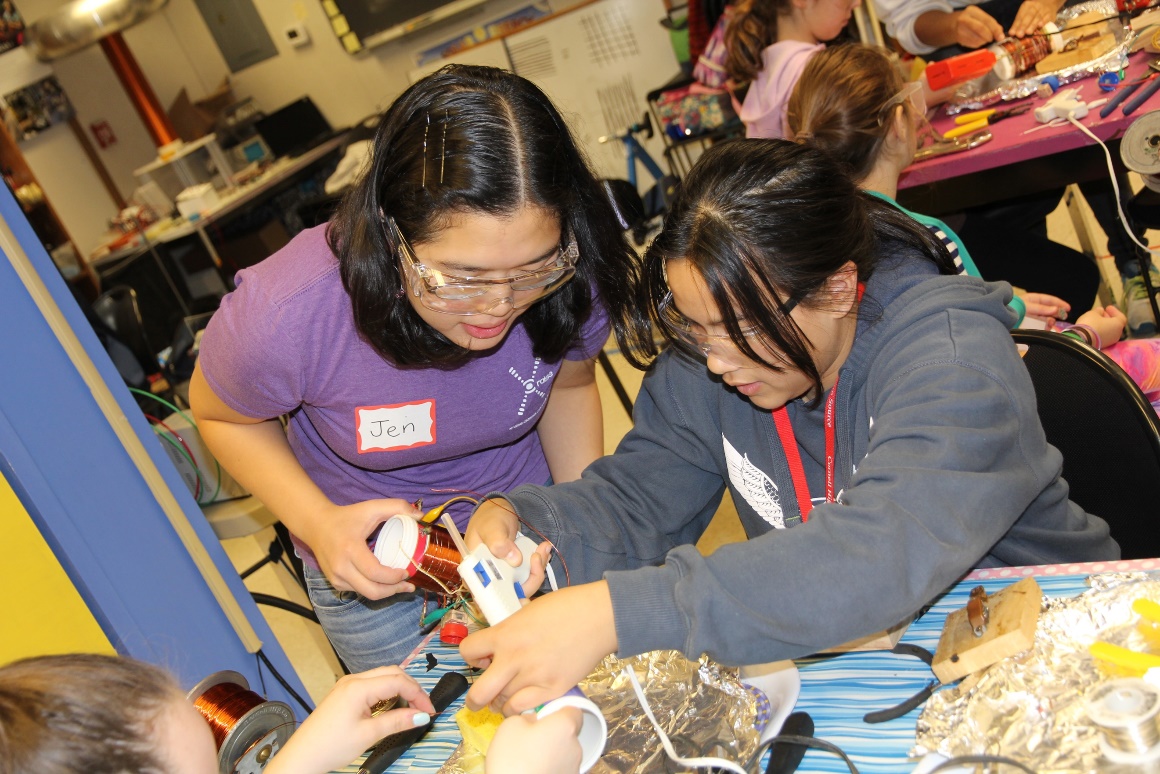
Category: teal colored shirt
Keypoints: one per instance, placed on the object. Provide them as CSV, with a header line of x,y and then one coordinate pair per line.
x,y
955,246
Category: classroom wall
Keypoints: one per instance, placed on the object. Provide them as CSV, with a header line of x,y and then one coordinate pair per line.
x,y
175,49
60,622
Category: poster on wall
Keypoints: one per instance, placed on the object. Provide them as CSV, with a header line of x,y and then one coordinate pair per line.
x,y
504,25
11,26
36,107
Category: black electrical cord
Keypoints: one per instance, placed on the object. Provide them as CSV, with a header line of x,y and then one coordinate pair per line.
x,y
284,604
805,741
278,676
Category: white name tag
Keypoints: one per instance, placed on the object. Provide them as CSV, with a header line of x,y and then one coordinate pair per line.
x,y
400,426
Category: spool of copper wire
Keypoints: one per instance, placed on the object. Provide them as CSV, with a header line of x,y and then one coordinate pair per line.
x,y
247,729
425,551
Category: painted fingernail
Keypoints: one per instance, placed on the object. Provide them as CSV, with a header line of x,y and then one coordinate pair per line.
x,y
420,718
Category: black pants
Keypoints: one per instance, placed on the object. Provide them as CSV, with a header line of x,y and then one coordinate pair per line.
x,y
1008,241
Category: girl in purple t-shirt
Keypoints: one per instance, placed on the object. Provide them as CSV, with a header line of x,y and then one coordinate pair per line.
x,y
436,338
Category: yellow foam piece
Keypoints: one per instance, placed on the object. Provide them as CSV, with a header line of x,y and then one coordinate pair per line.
x,y
478,727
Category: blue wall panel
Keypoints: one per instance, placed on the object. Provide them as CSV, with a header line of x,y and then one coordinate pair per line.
x,y
91,503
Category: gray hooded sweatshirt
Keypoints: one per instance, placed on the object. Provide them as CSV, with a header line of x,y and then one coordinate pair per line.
x,y
942,466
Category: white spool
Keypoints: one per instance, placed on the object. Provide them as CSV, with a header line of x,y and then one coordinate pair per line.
x,y
1125,711
1140,148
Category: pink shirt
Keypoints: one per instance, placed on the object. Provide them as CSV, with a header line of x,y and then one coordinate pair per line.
x,y
764,108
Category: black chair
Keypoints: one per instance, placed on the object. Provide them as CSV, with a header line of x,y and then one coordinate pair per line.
x,y
117,309
1107,431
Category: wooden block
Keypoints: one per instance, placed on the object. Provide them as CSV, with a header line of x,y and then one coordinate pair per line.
x,y
1083,53
1087,17
883,640
1014,613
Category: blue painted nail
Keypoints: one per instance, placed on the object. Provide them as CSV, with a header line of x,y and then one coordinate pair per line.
x,y
420,718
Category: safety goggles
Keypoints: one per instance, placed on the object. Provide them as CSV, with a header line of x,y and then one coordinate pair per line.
x,y
697,338
911,91
449,294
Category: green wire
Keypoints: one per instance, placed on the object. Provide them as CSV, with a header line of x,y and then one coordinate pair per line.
x,y
217,489
161,433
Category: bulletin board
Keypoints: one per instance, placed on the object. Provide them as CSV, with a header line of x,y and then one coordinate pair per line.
x,y
597,63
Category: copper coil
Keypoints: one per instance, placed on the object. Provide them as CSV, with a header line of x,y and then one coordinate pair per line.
x,y
223,706
438,569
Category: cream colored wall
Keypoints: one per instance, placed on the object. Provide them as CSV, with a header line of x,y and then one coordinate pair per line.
x,y
175,49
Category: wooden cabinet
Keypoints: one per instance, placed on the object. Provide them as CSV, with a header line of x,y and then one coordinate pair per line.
x,y
42,217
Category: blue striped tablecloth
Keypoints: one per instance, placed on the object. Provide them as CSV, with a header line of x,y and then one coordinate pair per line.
x,y
837,691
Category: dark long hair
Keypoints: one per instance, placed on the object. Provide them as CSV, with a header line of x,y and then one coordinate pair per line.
x,y
83,712
479,140
763,219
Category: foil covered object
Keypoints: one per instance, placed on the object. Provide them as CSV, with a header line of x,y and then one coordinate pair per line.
x,y
989,90
703,707
1030,706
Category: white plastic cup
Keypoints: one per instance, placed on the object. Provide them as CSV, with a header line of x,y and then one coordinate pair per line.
x,y
593,731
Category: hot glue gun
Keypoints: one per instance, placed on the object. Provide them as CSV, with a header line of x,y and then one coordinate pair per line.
x,y
1063,103
496,587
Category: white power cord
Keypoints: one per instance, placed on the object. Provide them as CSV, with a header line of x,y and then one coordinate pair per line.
x,y
1115,185
693,763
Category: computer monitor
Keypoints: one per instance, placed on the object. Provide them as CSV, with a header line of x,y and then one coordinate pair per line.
x,y
294,129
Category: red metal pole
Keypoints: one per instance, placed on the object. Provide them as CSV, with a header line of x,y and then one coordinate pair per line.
x,y
140,92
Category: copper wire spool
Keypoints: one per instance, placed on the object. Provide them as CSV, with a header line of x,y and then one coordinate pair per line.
x,y
425,551
1026,52
247,729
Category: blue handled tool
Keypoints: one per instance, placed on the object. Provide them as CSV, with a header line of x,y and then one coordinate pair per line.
x,y
1142,96
1121,95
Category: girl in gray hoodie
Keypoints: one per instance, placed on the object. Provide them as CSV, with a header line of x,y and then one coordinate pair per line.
x,y
862,402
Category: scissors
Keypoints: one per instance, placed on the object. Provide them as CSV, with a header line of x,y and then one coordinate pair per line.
x,y
970,122
953,145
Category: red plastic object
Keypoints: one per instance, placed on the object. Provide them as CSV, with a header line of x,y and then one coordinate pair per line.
x,y
959,69
453,632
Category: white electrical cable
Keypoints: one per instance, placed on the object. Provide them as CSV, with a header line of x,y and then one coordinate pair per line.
x,y
1115,185
695,763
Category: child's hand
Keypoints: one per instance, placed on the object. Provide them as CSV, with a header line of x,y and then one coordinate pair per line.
x,y
1032,15
339,541
341,726
1043,306
543,650
1108,322
975,28
495,525
527,745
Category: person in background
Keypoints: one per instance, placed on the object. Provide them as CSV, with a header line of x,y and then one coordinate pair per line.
x,y
852,103
436,338
861,401
768,42
936,29
98,713
923,26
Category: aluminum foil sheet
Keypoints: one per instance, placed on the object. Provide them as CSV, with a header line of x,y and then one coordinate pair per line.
x,y
1030,706
989,90
703,707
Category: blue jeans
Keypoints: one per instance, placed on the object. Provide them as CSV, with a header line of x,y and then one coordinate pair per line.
x,y
365,633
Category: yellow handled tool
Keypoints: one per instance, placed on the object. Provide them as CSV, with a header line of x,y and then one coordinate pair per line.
x,y
1127,660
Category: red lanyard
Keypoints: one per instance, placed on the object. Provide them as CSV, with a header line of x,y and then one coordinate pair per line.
x,y
796,471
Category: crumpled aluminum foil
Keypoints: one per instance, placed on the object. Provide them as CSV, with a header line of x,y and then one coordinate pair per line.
x,y
1030,706
989,90
698,703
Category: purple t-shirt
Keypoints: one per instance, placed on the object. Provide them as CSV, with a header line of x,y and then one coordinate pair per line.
x,y
285,342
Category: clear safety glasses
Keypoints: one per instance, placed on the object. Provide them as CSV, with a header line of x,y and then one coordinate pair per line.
x,y
449,294
697,338
911,91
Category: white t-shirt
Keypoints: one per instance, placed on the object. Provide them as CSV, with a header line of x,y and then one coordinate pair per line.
x,y
899,17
